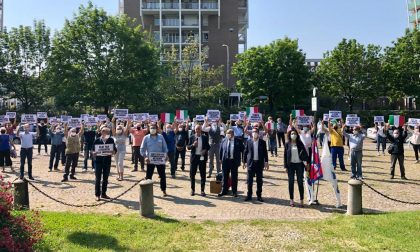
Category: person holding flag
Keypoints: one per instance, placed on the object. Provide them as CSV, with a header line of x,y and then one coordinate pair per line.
x,y
396,149
315,173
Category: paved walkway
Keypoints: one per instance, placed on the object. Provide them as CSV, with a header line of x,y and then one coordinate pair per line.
x,y
179,204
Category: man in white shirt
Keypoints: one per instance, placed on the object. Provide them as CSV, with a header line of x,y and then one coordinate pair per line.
x,y
26,150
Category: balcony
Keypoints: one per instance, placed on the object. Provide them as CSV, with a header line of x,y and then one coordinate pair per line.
x,y
150,6
189,39
209,5
167,22
413,4
413,17
170,39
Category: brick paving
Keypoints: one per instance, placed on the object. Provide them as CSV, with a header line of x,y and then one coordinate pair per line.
x,y
180,205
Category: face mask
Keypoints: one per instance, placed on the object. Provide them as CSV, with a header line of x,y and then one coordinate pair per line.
x,y
293,137
305,129
57,130
168,130
179,129
153,131
396,135
255,135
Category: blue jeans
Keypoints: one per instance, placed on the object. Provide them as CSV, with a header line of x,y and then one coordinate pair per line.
x,y
380,141
25,153
356,163
338,151
273,145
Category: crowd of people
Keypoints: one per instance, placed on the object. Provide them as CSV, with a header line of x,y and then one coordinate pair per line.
x,y
223,146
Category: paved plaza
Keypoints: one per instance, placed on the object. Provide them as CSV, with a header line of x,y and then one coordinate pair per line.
x,y
180,205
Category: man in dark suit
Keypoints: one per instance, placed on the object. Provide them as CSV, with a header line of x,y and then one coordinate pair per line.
x,y
256,159
199,146
230,153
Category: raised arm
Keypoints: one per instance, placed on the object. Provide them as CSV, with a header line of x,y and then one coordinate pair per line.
x,y
82,129
114,126
128,127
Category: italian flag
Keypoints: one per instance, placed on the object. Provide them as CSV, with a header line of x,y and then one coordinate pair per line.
x,y
252,110
182,115
167,117
396,120
298,112
270,125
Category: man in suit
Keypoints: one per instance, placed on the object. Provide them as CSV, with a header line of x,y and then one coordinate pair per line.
x,y
230,153
199,146
256,159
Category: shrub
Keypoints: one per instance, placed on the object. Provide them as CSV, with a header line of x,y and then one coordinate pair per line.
x,y
17,232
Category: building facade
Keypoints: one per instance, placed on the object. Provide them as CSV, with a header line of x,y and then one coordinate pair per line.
x,y
219,25
1,15
414,14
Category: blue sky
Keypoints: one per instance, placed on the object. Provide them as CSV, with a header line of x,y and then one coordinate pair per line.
x,y
318,24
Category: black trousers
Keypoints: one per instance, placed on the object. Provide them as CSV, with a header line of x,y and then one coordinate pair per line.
x,y
177,154
42,141
416,148
138,157
63,153
400,158
161,171
26,154
72,160
88,155
196,163
281,138
256,170
5,159
55,154
298,169
102,170
229,166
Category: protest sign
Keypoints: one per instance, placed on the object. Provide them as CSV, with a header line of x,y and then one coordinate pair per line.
x,y
121,113
28,118
334,114
153,118
104,149
140,117
326,117
378,119
4,119
157,158
242,115
213,115
413,122
234,117
91,121
53,120
304,120
200,118
74,122
352,115
352,121
41,115
11,115
84,117
255,117
102,118
65,118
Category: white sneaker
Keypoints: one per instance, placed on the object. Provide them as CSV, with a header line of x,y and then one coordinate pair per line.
x,y
378,154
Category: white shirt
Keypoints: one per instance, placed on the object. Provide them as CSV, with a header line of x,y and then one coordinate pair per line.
x,y
231,145
26,139
381,131
199,148
256,158
295,155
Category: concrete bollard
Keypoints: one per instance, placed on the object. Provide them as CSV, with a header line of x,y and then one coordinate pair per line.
x,y
147,207
20,195
354,201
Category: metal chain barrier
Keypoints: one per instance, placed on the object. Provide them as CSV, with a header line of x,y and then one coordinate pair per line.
x,y
386,196
84,205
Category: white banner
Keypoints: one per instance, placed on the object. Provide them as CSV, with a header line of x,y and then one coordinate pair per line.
x,y
200,118
413,122
352,121
121,113
352,115
28,118
157,158
213,115
84,117
41,115
75,122
104,149
234,117
4,119
242,115
91,121
153,118
326,117
140,117
11,115
53,120
378,119
255,117
65,118
334,115
304,120
102,118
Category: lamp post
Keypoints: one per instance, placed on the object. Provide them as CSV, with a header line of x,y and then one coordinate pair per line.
x,y
227,64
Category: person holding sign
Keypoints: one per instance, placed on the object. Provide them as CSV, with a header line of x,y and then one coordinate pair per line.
x,y
271,127
199,146
104,147
255,160
155,151
415,141
72,151
56,135
380,137
120,138
396,149
26,150
89,135
356,148
214,132
42,136
138,133
281,130
337,145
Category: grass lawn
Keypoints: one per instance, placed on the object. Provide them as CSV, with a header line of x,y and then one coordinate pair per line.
x,y
90,232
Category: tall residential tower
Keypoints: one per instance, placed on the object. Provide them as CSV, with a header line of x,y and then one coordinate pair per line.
x,y
220,25
414,14
1,15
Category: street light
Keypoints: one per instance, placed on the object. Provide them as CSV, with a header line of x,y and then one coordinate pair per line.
x,y
227,64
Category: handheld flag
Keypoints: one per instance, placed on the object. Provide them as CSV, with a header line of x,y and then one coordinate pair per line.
x,y
315,172
296,113
396,120
182,115
252,110
167,117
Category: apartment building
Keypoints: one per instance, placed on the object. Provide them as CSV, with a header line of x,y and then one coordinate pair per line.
x,y
220,25
414,14
1,15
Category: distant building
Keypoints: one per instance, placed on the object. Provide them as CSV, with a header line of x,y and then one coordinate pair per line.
x,y
1,15
220,25
313,64
414,14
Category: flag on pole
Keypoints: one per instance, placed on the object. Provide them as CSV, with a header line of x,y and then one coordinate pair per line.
x,y
328,171
167,117
315,172
396,120
298,112
252,110
182,115
270,125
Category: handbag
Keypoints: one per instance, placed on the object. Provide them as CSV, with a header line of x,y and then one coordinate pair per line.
x,y
391,148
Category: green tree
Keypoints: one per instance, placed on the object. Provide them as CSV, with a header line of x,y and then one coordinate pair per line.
x,y
277,71
23,57
351,72
103,61
401,66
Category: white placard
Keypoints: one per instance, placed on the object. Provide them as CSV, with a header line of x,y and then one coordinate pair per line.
x,y
75,122
304,120
104,149
352,121
352,115
141,117
413,122
53,120
334,114
378,119
130,117
4,119
157,158
28,118
91,121
11,115
154,118
255,117
326,117
102,118
65,118
121,113
242,115
200,118
41,115
84,117
213,115
234,117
